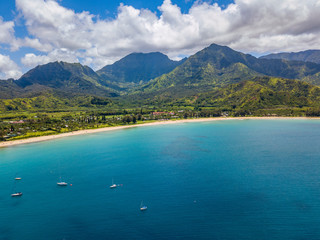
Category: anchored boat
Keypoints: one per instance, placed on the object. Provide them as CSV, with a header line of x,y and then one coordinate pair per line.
x,y
143,207
61,183
18,194
113,185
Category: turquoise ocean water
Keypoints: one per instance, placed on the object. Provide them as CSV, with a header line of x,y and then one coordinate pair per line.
x,y
250,179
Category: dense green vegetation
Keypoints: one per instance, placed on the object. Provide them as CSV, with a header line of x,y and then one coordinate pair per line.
x,y
215,82
19,125
67,77
250,96
52,101
261,93
218,66
136,68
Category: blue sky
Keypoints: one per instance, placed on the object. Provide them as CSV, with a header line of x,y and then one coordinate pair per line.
x,y
99,32
102,8
109,8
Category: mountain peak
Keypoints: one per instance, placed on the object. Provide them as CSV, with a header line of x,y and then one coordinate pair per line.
x,y
218,66
70,77
146,54
217,46
138,67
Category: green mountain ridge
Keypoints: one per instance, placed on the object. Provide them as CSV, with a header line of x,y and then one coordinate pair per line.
x,y
137,68
76,78
216,77
9,89
218,66
305,56
69,77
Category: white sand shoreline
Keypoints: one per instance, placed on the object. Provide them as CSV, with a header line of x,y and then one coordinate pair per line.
x,y
88,131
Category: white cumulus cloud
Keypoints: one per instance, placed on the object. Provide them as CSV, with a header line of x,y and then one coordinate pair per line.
x,y
6,31
8,68
32,60
246,25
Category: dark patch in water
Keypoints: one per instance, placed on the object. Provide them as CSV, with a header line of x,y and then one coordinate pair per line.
x,y
16,201
5,233
181,146
205,137
76,224
302,206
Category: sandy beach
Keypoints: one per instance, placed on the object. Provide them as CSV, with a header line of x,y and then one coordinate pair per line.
x,y
82,132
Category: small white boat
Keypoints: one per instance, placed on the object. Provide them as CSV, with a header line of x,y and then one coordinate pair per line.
x,y
15,192
143,207
62,184
113,184
18,194
17,178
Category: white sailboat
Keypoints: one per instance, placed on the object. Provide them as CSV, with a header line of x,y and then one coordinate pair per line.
x,y
17,178
143,207
60,182
15,193
113,185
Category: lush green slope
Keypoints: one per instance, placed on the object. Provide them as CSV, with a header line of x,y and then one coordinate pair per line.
x,y
50,100
218,66
259,93
217,77
137,68
305,56
9,89
250,95
182,82
69,77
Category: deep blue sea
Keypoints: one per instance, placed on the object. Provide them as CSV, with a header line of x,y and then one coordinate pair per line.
x,y
243,180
